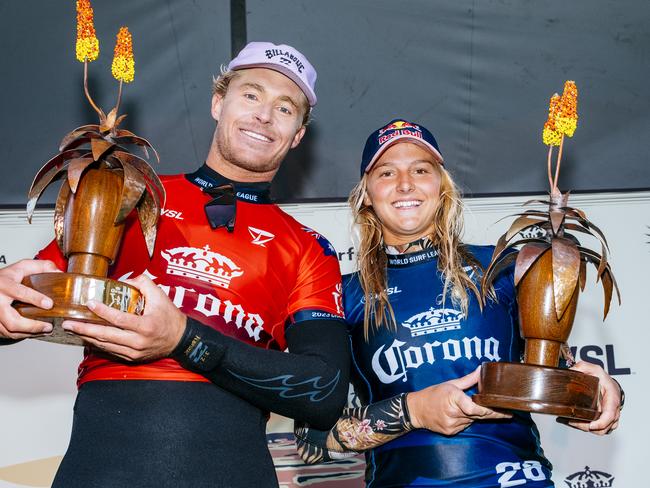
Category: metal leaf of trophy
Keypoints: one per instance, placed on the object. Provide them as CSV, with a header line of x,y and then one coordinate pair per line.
x,y
102,183
550,271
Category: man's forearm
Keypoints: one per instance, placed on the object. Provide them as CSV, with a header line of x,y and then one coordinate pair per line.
x,y
310,383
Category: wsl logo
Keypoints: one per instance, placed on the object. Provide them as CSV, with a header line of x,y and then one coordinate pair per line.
x,y
606,359
389,291
589,479
434,320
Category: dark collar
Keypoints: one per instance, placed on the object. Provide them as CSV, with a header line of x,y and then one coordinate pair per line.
x,y
414,246
205,177
410,259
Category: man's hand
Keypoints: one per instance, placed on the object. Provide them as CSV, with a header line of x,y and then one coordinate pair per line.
x,y
609,404
135,337
446,409
12,324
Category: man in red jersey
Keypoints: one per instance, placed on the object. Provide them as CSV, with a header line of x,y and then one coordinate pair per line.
x,y
179,396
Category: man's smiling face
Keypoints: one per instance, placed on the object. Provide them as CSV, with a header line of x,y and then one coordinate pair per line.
x,y
259,120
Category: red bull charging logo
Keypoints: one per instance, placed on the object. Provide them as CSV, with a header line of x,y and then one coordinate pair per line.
x,y
399,128
399,124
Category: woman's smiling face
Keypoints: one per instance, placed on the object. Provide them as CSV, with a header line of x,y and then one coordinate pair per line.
x,y
403,188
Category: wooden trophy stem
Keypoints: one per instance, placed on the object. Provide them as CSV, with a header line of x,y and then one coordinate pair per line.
x,y
90,236
88,264
539,324
542,352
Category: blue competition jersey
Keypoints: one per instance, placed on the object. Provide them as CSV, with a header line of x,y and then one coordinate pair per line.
x,y
434,342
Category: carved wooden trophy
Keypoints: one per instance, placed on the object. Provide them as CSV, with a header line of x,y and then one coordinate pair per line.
x,y
550,271
102,183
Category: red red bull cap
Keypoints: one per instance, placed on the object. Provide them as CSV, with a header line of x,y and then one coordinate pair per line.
x,y
397,130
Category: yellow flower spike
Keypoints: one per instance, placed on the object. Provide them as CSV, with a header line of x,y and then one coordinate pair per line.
x,y
551,136
123,67
87,47
567,116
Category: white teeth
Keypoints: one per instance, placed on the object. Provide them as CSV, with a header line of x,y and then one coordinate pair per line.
x,y
256,136
407,204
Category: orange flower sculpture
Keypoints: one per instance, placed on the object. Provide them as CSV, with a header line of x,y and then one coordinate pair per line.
x,y
558,224
566,119
87,47
103,145
123,67
551,135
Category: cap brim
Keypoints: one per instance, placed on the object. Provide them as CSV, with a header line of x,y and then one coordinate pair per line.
x,y
406,138
311,96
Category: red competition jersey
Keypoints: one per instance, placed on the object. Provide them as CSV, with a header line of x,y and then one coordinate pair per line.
x,y
246,284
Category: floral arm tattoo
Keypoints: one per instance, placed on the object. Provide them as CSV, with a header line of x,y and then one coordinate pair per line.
x,y
358,429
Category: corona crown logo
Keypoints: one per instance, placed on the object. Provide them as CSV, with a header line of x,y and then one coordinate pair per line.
x,y
434,320
201,264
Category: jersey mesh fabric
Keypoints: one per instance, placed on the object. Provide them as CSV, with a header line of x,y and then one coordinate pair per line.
x,y
246,284
434,342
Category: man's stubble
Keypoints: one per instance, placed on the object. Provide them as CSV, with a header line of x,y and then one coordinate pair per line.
x,y
230,155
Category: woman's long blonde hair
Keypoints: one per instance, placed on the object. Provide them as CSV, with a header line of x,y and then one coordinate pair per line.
x,y
445,235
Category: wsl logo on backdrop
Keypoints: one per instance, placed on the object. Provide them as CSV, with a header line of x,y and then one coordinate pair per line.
x,y
589,479
605,358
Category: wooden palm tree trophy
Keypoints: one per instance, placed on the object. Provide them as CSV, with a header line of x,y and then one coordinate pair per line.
x,y
102,183
550,271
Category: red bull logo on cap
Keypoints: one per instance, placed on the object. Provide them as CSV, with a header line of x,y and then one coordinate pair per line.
x,y
399,124
398,128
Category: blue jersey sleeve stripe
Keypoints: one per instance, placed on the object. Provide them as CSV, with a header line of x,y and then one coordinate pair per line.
x,y
311,314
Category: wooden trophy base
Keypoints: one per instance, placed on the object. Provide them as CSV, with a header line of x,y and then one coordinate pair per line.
x,y
539,389
70,293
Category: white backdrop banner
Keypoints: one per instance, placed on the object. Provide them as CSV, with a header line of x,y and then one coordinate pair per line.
x,y
37,380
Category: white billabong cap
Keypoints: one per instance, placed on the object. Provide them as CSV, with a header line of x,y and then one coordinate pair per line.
x,y
281,58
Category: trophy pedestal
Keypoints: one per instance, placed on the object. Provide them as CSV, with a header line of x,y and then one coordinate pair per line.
x,y
70,293
538,389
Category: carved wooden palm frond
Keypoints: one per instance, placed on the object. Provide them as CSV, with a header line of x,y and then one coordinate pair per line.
x,y
104,146
569,257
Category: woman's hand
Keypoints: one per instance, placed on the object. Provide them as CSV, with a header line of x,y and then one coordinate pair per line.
x,y
446,408
609,404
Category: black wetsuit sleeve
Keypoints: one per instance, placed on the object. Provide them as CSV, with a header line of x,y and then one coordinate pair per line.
x,y
6,342
310,383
